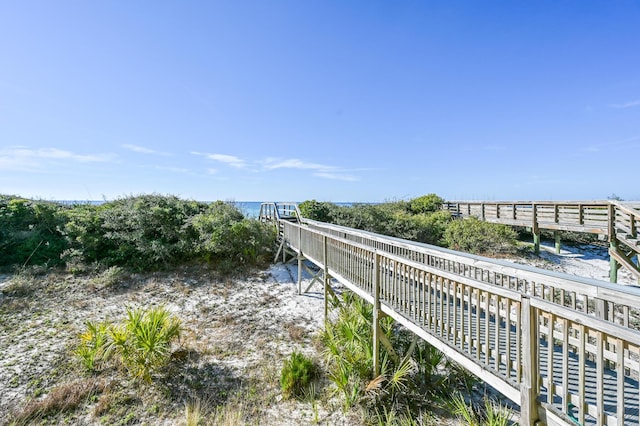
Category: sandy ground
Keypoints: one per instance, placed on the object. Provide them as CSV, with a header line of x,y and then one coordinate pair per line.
x,y
235,331
583,260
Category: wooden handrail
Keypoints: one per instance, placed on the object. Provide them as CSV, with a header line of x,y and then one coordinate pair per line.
x,y
510,335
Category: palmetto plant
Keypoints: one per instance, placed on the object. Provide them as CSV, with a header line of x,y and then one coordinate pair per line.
x,y
93,342
142,344
348,350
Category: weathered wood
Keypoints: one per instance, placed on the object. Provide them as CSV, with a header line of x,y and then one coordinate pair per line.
x,y
326,277
609,218
472,309
529,382
376,315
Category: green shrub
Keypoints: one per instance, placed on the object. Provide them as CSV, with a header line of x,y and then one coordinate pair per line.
x,y
315,210
426,204
86,235
148,231
475,236
297,373
418,220
226,238
30,232
430,228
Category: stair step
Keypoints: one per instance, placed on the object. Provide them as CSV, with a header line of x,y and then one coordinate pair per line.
x,y
629,240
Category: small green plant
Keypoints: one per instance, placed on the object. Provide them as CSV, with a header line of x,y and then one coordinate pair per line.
x,y
496,414
93,343
492,414
110,277
142,344
348,349
464,411
297,373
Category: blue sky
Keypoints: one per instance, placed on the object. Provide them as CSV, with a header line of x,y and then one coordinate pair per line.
x,y
327,100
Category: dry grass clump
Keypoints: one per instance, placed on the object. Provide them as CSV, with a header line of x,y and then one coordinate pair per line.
x,y
65,397
296,333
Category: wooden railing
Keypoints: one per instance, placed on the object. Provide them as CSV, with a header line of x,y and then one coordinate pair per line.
x,y
578,216
565,349
273,212
584,294
616,221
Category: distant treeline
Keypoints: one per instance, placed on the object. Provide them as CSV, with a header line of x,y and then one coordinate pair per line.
x,y
148,232
143,232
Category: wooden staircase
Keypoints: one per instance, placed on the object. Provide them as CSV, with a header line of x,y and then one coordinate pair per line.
x,y
625,218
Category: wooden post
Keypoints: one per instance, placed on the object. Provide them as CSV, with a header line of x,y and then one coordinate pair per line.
x,y
556,234
300,259
613,263
529,384
376,314
613,245
284,244
326,278
535,230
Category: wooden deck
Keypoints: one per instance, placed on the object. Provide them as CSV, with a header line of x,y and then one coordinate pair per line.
x,y
615,221
560,346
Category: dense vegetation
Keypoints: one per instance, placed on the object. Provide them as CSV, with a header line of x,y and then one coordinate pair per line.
x,y
420,219
157,232
408,388
145,232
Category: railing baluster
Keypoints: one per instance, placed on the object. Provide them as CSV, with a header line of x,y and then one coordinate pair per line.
x,y
600,365
620,383
565,365
550,363
448,295
581,373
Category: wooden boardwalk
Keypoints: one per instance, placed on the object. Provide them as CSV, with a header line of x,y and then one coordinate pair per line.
x,y
566,349
615,221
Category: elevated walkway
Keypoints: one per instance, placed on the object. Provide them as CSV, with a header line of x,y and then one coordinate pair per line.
x,y
615,221
565,348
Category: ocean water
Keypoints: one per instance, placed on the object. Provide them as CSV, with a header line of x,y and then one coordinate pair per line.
x,y
250,209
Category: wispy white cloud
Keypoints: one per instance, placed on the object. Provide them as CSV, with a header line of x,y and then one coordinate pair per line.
x,y
321,170
336,176
27,159
230,160
630,104
143,150
294,163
